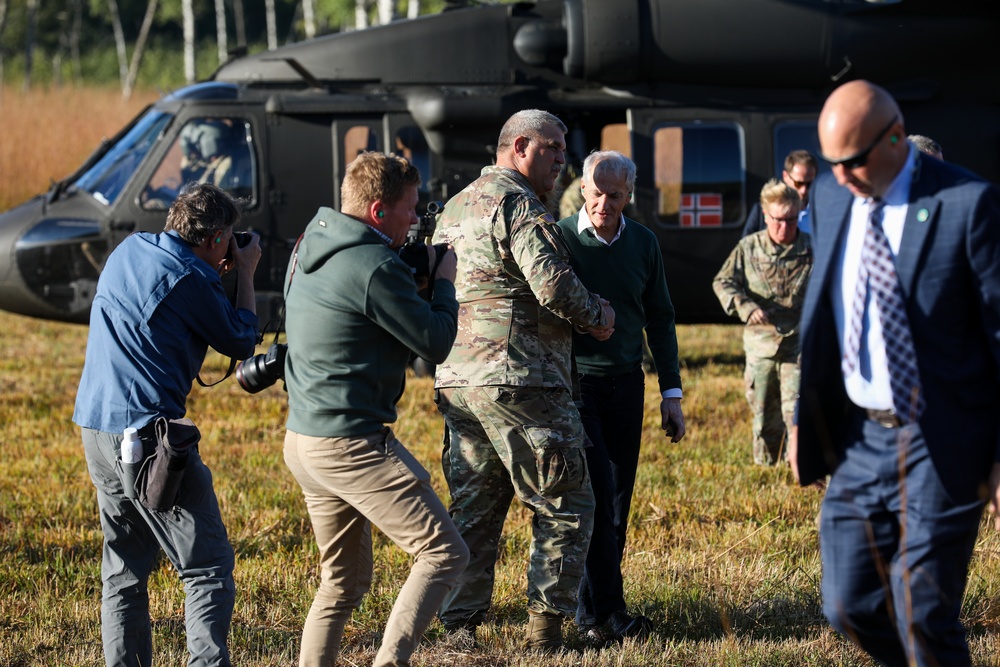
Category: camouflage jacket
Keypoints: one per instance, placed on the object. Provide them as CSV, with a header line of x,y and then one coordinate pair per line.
x,y
518,297
763,274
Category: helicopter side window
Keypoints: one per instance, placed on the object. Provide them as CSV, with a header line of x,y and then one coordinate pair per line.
x,y
357,140
207,150
791,135
699,172
411,144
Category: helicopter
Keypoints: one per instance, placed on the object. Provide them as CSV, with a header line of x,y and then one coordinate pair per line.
x,y
706,96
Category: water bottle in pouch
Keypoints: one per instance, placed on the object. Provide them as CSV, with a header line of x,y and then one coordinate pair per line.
x,y
131,460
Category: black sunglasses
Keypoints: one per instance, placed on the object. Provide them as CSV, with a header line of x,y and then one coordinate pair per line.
x,y
859,159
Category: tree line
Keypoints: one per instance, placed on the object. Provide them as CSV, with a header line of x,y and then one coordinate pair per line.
x,y
97,41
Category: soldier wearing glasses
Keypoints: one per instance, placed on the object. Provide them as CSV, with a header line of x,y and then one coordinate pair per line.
x,y
763,282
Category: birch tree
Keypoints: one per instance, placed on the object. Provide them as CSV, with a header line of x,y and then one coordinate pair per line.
x,y
140,47
386,11
116,26
3,24
220,30
360,14
29,42
309,18
272,25
188,13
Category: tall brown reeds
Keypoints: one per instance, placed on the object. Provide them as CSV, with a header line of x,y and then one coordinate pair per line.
x,y
45,134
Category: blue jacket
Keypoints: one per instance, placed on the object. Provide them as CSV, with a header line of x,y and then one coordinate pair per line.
x,y
157,309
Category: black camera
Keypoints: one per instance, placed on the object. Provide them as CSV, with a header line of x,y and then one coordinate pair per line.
x,y
414,251
262,370
242,239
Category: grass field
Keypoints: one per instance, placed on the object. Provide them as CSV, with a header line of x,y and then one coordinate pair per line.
x,y
722,555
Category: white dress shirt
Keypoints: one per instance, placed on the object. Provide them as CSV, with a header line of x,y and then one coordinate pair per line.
x,y
868,385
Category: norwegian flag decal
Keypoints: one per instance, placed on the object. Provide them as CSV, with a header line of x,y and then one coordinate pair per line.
x,y
701,209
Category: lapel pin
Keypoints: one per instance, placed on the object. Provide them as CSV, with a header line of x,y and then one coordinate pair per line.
x,y
922,215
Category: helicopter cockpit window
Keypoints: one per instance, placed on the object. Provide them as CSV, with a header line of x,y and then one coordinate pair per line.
x,y
699,175
207,150
109,175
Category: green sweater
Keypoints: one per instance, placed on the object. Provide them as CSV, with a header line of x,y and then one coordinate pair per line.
x,y
629,274
352,316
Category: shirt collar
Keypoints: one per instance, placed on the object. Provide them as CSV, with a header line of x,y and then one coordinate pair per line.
x,y
898,192
384,237
583,223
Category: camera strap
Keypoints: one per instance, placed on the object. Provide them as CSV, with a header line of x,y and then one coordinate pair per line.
x,y
438,257
281,319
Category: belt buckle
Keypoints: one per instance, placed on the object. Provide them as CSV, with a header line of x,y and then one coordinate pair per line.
x,y
884,418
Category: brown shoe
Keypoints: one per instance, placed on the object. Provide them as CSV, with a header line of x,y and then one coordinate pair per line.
x,y
544,631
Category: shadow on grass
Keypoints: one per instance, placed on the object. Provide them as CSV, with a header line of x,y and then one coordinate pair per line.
x,y
720,359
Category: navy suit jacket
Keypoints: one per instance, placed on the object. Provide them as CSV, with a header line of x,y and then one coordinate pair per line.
x,y
949,271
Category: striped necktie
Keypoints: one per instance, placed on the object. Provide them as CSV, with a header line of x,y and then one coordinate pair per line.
x,y
878,274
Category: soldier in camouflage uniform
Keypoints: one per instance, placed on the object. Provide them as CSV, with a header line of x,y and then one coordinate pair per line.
x,y
764,283
512,427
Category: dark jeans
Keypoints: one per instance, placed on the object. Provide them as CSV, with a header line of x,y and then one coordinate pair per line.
x,y
612,416
896,551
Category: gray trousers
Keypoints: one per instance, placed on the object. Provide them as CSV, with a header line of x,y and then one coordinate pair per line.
x,y
191,535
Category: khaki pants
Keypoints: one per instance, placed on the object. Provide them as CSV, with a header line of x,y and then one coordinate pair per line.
x,y
349,484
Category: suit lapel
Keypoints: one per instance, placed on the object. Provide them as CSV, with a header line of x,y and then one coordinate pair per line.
x,y
921,216
826,250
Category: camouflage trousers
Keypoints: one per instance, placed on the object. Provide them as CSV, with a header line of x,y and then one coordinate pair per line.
x,y
527,442
772,387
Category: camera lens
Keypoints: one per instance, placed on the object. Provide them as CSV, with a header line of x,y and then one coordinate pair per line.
x,y
262,370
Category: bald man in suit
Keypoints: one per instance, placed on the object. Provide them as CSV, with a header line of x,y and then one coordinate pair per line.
x,y
900,380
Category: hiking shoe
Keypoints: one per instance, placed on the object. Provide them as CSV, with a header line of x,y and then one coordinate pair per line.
x,y
622,625
619,626
544,631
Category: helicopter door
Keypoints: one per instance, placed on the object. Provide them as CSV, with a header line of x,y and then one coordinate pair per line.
x,y
691,192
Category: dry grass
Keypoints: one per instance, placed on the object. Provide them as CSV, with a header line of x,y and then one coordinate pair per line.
x,y
722,554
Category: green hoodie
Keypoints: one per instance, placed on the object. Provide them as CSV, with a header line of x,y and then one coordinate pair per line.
x,y
352,317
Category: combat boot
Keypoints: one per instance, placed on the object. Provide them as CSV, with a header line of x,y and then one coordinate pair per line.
x,y
544,631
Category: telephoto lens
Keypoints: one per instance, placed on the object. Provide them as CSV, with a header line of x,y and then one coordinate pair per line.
x,y
262,370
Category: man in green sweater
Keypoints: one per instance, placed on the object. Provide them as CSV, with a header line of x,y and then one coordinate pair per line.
x,y
619,259
353,315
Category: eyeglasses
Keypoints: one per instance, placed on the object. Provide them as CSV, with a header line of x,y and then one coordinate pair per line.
x,y
799,184
859,159
789,220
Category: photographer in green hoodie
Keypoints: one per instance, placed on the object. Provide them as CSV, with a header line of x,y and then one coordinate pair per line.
x,y
352,317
